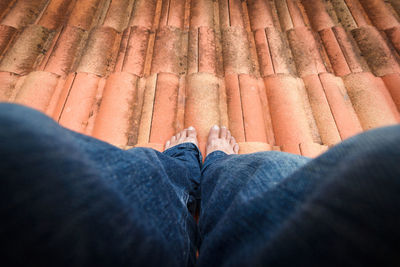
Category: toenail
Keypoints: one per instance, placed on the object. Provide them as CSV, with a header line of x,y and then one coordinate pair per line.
x,y
215,127
190,128
223,127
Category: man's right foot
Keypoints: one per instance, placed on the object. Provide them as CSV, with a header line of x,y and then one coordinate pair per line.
x,y
220,139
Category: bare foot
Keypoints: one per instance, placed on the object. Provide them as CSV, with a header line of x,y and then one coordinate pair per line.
x,y
188,135
222,140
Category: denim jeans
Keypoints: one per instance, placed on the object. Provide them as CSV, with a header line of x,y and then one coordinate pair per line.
x,y
70,200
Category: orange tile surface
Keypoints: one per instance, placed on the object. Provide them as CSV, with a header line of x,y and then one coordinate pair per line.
x,y
289,75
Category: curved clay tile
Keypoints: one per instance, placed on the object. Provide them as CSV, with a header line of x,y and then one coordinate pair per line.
x,y
392,82
133,50
27,51
37,90
274,55
100,53
118,14
202,104
380,14
168,53
114,122
306,51
143,13
23,13
289,118
260,14
376,51
164,108
85,14
322,113
7,35
8,83
202,54
201,14
371,100
56,13
63,56
173,13
80,101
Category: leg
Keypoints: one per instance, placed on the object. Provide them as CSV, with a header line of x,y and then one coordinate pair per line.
x,y
282,210
233,190
68,199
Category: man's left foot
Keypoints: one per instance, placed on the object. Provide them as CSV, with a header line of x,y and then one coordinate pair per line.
x,y
188,135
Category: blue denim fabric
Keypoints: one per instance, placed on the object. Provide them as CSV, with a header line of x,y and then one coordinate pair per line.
x,y
68,199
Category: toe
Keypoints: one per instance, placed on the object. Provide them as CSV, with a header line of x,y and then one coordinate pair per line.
x,y
232,141
167,144
236,148
183,134
223,133
214,133
191,132
228,135
173,139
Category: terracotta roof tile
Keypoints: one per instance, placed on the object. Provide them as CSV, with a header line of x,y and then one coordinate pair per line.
x,y
146,115
202,53
118,14
202,104
341,107
260,14
165,107
245,109
5,5
236,51
358,13
85,13
231,13
8,83
115,120
392,82
23,13
56,13
253,147
168,53
274,55
7,35
395,5
312,150
133,50
27,51
318,14
394,36
321,110
80,100
342,51
344,14
134,72
306,51
284,15
289,119
37,90
371,101
380,14
99,55
201,14
173,13
379,56
63,55
144,13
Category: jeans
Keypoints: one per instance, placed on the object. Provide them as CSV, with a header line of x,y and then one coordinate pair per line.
x,y
70,200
